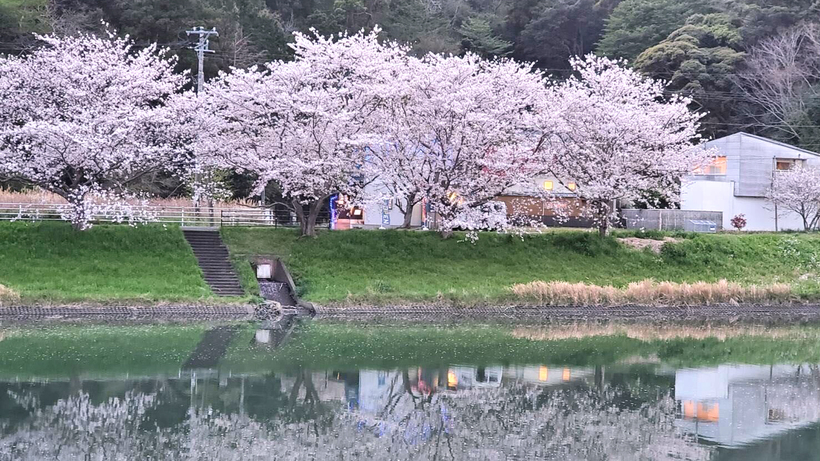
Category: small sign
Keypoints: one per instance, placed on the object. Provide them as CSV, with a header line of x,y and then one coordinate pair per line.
x,y
385,212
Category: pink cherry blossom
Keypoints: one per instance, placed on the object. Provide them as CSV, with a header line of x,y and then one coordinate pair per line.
x,y
620,139
798,191
305,123
81,117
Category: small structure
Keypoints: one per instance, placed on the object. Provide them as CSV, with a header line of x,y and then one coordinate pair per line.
x,y
524,200
700,225
736,182
668,219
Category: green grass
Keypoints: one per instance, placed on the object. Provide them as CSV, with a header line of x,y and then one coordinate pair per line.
x,y
96,350
397,266
51,262
247,277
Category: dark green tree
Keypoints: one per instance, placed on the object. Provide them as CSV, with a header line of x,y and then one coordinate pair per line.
x,y
478,37
635,25
699,59
558,29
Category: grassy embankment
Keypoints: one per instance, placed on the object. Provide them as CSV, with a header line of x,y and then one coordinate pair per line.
x,y
396,267
52,263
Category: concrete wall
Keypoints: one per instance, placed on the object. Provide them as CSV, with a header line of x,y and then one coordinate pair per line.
x,y
668,219
719,196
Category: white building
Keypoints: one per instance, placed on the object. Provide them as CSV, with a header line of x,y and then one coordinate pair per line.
x,y
521,200
737,180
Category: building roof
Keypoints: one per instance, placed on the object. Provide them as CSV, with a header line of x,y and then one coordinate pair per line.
x,y
770,141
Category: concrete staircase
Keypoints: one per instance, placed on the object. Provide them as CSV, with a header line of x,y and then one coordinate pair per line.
x,y
214,261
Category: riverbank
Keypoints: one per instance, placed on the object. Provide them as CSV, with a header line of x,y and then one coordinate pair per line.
x,y
49,264
407,269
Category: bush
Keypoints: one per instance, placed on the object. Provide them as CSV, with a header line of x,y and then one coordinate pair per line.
x,y
674,253
586,243
739,221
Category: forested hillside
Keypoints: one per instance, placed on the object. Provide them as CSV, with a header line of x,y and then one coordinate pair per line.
x,y
754,65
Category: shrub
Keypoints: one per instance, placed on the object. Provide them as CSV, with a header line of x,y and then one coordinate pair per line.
x,y
672,252
739,221
586,243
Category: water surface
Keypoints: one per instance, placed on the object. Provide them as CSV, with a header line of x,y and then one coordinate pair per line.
x,y
341,391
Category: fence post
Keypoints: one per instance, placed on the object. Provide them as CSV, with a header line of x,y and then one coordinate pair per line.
x,y
183,215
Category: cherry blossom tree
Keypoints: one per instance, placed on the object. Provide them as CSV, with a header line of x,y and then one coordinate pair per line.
x,y
620,139
82,117
798,191
304,123
459,132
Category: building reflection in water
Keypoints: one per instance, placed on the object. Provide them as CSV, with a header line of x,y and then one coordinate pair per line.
x,y
735,405
544,411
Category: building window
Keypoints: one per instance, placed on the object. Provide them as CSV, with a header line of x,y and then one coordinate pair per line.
x,y
784,164
571,186
548,185
716,167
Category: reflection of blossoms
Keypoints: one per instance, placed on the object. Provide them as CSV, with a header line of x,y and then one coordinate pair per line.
x,y
513,421
503,423
75,428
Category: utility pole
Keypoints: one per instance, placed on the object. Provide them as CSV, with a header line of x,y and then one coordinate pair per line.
x,y
201,48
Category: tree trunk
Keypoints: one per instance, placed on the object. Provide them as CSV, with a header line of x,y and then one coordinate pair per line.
x,y
80,214
300,216
408,211
602,210
315,208
603,228
307,223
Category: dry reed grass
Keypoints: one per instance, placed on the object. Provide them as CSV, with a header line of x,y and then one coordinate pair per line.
x,y
650,293
7,294
650,332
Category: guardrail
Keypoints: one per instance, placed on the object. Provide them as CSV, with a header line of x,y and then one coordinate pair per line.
x,y
183,216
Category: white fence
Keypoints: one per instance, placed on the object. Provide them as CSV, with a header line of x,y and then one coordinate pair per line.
x,y
183,216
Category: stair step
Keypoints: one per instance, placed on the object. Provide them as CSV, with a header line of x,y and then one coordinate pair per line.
x,y
213,259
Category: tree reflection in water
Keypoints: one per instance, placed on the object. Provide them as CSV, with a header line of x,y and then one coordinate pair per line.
x,y
381,415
